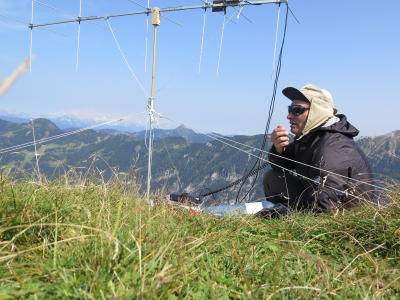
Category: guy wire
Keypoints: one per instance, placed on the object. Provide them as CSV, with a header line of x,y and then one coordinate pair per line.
x,y
228,142
271,110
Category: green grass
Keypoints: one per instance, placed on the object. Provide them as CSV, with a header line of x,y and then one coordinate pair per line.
x,y
101,241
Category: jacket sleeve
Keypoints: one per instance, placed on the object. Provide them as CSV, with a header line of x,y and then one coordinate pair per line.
x,y
328,190
325,192
278,159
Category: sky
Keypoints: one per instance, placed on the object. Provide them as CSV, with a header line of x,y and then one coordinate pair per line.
x,y
350,48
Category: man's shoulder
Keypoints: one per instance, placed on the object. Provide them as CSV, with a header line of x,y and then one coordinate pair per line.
x,y
339,124
339,147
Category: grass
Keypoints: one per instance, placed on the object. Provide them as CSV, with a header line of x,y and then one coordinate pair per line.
x,y
102,241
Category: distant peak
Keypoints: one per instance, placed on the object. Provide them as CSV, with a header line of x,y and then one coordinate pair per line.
x,y
181,127
42,122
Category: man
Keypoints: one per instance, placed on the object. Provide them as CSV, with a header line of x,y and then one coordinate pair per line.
x,y
322,169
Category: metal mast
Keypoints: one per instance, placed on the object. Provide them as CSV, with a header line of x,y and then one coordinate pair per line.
x,y
155,21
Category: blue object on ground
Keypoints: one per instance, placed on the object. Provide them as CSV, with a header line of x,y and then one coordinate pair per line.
x,y
250,208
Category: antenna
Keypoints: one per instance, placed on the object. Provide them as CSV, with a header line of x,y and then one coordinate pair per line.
x,y
78,42
146,39
36,153
215,6
155,21
31,39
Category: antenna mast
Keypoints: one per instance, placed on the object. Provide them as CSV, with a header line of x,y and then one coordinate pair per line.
x,y
155,21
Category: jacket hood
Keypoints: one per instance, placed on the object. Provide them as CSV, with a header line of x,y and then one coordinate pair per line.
x,y
321,105
341,126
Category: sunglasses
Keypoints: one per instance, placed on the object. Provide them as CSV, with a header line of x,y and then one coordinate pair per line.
x,y
297,110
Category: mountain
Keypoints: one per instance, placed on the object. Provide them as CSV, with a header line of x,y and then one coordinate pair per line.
x,y
180,131
383,154
14,119
67,121
106,131
179,164
136,128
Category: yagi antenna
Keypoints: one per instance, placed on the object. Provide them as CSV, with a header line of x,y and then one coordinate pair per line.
x,y
78,42
216,6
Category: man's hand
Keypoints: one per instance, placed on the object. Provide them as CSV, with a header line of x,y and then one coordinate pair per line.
x,y
280,138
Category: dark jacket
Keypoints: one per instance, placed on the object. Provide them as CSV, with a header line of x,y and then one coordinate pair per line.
x,y
329,148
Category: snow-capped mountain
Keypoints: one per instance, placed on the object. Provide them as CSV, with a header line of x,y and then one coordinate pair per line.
x,y
129,123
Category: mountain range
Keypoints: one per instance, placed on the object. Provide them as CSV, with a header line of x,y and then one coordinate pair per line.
x,y
183,160
74,120
383,153
133,127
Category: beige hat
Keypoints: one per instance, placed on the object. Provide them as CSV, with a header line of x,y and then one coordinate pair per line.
x,y
309,93
321,104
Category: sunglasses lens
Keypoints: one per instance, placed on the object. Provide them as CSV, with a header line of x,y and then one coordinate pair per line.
x,y
296,110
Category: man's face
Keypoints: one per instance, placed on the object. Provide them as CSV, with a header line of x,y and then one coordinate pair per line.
x,y
298,122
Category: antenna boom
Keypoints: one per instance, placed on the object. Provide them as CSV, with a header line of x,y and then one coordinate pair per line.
x,y
215,6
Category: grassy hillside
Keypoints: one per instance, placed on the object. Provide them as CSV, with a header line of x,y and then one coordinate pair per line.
x,y
101,241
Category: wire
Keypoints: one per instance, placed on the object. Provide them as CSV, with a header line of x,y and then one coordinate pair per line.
x,y
150,159
301,163
270,113
240,13
293,15
36,153
276,39
220,44
29,25
78,47
126,60
171,162
226,19
63,12
221,139
178,71
66,13
146,39
275,164
202,38
149,10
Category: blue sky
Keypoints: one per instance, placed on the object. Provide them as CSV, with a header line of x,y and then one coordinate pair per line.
x,y
350,48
